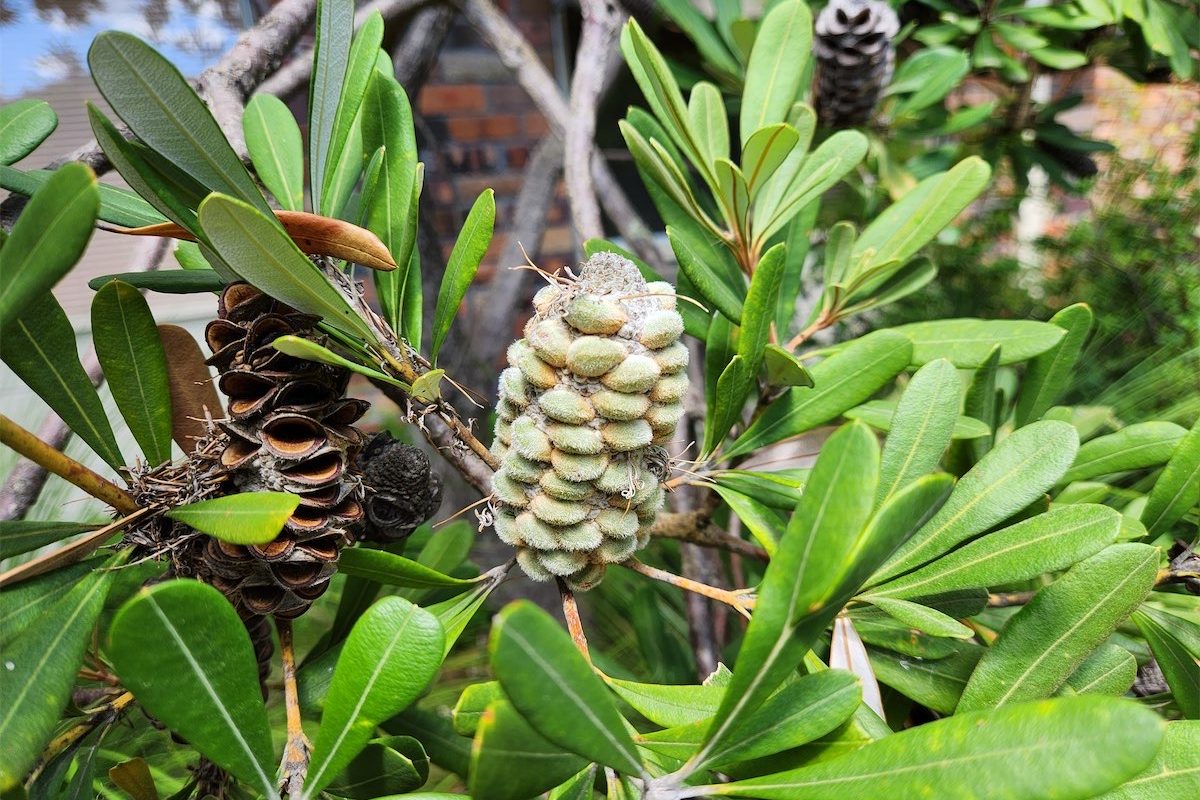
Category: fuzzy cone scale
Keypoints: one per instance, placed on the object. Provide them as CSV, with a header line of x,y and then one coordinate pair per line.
x,y
592,394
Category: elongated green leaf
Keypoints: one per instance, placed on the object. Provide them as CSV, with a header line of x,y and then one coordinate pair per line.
x,y
39,346
1049,374
577,788
760,520
1180,667
1048,638
135,366
246,518
24,125
759,307
118,206
922,618
764,152
1055,540
668,705
474,700
310,350
967,343
933,682
840,382
776,67
389,765
39,671
555,689
360,65
921,427
188,630
1110,670
258,249
1008,478
22,603
155,100
506,748
701,32
1174,772
797,184
392,207
276,150
1138,446
392,653
713,288
331,54
912,222
783,368
733,385
707,120
393,570
21,536
1070,749
169,281
1177,488
799,592
47,239
472,243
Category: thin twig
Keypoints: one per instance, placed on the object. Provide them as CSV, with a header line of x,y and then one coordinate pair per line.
x,y
109,712
695,527
297,750
741,600
574,623
64,466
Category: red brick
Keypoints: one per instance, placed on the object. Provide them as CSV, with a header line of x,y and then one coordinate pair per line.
x,y
447,99
466,129
500,126
517,157
558,240
535,125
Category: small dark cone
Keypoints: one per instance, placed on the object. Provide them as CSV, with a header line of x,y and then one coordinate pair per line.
x,y
289,428
402,490
853,45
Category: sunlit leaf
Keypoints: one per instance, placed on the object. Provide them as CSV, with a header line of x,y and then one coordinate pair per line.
x,y
468,252
273,140
245,518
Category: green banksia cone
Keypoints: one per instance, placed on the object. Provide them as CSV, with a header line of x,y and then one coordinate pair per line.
x,y
853,44
592,394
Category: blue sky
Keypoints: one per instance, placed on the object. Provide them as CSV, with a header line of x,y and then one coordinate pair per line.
x,y
43,42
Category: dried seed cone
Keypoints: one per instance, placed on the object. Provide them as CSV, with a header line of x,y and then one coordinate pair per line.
x,y
593,392
855,58
289,429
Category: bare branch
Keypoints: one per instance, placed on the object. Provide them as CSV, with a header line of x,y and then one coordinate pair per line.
x,y
414,54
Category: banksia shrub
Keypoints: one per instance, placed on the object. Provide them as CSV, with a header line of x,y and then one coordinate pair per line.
x,y
593,392
853,45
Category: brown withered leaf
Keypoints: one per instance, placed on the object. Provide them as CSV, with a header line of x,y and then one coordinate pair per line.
x,y
192,389
312,233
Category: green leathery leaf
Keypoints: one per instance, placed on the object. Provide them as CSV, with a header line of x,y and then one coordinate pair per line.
x,y
578,787
840,382
40,667
910,223
1139,446
733,385
1180,667
759,307
24,124
1174,772
473,701
468,252
276,150
331,54
504,755
391,655
389,765
776,67
702,33
669,705
933,682
782,199
167,281
712,286
967,343
155,100
39,346
879,413
549,682
48,238
311,351
707,121
1055,540
1044,642
922,618
1048,375
135,366
358,69
260,252
783,368
763,523
781,489
1019,470
393,570
921,426
799,592
1079,746
188,630
733,193
20,536
764,152
118,206
1110,669
244,518
1178,486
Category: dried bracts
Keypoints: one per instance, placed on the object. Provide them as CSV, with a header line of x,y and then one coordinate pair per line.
x,y
853,44
289,428
592,394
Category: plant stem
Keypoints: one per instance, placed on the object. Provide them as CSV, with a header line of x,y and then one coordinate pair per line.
x,y
297,750
108,712
574,623
741,600
64,466
819,324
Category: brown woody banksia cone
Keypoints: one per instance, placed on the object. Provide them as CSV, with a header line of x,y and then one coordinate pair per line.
x,y
592,394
